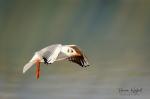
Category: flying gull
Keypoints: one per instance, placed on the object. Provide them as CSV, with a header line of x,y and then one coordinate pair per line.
x,y
57,52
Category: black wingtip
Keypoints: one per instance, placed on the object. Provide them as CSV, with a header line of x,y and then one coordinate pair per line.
x,y
85,65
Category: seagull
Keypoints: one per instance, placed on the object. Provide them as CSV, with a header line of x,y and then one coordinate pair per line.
x,y
57,52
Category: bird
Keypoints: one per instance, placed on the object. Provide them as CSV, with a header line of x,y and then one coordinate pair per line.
x,y
56,52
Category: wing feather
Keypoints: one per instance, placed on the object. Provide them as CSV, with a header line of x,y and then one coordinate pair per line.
x,y
80,59
47,51
50,53
54,55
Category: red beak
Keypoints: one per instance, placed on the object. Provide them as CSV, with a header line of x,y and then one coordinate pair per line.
x,y
37,69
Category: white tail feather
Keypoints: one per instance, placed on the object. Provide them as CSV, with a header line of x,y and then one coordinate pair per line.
x,y
27,66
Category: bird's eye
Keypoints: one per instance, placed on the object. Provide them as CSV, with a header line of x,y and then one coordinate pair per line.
x,y
68,50
71,51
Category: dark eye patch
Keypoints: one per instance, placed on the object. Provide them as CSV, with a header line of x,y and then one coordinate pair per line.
x,y
68,50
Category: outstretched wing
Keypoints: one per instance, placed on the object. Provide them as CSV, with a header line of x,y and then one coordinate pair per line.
x,y
80,58
50,53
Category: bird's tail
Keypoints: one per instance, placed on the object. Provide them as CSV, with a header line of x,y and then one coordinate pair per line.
x,y
27,66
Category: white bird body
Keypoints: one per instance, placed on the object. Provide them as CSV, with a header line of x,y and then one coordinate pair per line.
x,y
57,52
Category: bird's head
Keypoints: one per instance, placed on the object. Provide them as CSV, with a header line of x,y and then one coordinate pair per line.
x,y
70,51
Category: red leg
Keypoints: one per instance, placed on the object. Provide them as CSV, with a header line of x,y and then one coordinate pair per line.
x,y
37,69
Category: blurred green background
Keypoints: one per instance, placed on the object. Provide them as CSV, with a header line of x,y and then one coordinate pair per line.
x,y
113,33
